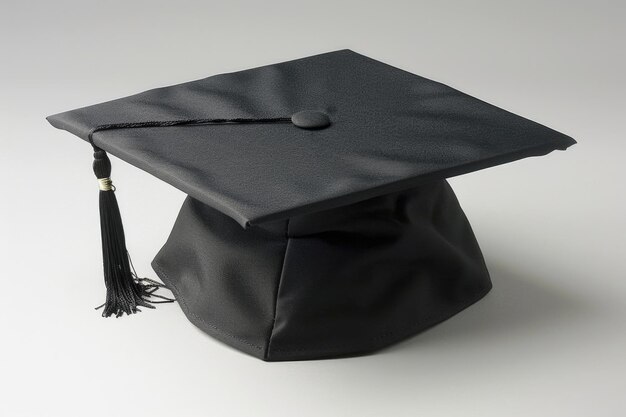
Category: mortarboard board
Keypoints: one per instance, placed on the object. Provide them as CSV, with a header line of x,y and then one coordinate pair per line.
x,y
318,221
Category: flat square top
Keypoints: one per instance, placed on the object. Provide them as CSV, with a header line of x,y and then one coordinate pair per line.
x,y
306,135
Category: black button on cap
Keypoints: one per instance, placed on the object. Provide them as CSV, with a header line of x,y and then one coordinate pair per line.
x,y
310,119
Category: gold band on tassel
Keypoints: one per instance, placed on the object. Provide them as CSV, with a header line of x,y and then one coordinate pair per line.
x,y
106,184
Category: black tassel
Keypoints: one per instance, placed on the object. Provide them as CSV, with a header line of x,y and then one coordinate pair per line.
x,y
125,291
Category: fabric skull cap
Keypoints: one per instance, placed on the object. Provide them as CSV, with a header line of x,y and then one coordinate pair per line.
x,y
318,222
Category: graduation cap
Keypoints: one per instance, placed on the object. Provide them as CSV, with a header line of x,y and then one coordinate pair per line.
x,y
318,221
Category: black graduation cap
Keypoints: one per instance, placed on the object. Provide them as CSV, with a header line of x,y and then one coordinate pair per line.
x,y
318,220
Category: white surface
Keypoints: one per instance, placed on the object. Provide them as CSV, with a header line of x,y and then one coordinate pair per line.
x,y
549,340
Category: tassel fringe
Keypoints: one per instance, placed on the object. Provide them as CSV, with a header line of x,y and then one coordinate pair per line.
x,y
125,292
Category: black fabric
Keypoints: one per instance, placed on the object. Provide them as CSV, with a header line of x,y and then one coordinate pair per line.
x,y
390,130
340,282
338,237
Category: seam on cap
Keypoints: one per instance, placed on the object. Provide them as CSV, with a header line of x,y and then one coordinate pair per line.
x,y
277,291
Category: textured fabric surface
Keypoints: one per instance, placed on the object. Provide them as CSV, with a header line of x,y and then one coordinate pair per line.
x,y
301,244
390,130
344,281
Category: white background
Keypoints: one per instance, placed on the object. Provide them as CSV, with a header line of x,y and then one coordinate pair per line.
x,y
549,340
